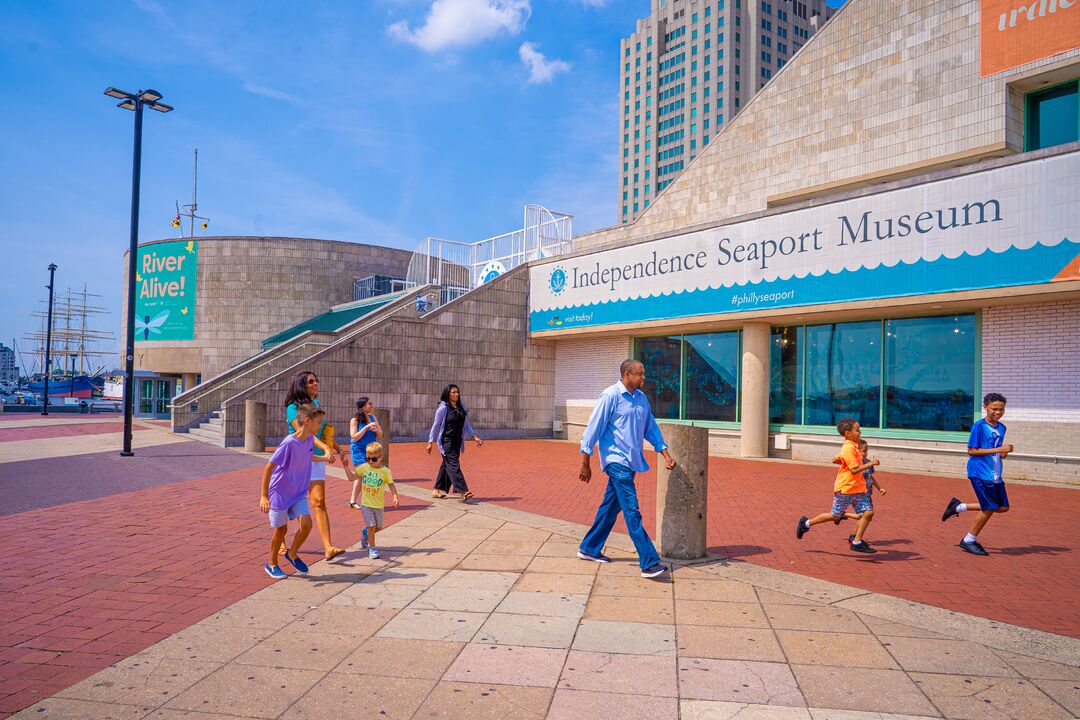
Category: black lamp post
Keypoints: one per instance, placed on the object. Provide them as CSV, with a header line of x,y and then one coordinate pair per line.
x,y
48,340
136,102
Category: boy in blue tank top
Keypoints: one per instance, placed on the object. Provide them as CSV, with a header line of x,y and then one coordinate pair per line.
x,y
986,450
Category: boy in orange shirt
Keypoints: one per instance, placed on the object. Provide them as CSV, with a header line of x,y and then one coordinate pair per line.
x,y
849,489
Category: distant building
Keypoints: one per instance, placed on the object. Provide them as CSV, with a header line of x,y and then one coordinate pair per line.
x,y
9,371
686,70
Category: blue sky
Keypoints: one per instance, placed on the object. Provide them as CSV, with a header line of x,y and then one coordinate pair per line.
x,y
380,121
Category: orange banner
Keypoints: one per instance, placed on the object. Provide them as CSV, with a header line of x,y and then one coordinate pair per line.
x,y
1015,32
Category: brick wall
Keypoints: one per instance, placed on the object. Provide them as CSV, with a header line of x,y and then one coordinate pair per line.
x,y
583,368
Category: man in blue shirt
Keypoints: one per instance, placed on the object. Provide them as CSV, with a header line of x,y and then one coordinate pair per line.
x,y
620,422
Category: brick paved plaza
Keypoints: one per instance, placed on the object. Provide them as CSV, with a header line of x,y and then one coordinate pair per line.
x,y
134,589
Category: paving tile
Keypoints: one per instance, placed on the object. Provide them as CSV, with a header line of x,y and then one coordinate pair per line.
x,y
499,563
140,680
301,649
509,547
831,687
562,565
458,598
548,582
432,545
424,577
621,565
626,586
434,625
477,580
830,714
255,612
806,617
728,643
625,637
714,590
513,532
298,589
376,596
477,701
738,681
209,643
629,609
398,657
725,614
586,705
559,548
719,710
528,630
619,673
243,690
843,649
1064,692
886,627
355,621
507,665
69,709
1040,669
543,603
945,656
768,596
339,695
978,697
443,560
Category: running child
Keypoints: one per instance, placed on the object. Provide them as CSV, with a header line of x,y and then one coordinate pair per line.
x,y
374,478
285,489
986,450
868,473
849,489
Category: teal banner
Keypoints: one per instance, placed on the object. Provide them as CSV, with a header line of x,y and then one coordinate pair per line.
x,y
165,291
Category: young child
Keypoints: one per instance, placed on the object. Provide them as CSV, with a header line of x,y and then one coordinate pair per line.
x,y
986,450
374,478
849,489
868,473
285,489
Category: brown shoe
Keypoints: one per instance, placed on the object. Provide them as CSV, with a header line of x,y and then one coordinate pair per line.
x,y
438,494
466,497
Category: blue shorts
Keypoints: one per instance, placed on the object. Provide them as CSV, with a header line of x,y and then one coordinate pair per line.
x,y
279,518
860,502
991,495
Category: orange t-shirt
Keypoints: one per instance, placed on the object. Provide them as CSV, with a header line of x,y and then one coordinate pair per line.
x,y
848,482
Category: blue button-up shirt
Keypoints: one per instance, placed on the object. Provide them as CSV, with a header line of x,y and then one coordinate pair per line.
x,y
620,422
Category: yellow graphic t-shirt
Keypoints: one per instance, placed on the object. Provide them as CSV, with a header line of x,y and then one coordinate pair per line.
x,y
374,482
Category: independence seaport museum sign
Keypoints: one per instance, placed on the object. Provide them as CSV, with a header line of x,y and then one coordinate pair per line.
x,y
1015,225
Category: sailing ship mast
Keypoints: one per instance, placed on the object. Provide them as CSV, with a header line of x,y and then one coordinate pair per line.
x,y
74,337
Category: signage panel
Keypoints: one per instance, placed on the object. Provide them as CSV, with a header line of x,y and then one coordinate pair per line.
x,y
165,291
1015,32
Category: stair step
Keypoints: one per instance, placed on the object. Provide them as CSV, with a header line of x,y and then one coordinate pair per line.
x,y
212,421
207,436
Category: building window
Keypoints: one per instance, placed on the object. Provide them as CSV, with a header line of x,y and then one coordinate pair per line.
x,y
930,373
661,357
785,375
843,373
692,377
1052,116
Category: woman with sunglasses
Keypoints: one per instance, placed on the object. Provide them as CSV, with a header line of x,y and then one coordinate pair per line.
x,y
449,430
305,389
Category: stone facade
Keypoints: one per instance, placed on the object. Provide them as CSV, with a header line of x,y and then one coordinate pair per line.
x,y
249,288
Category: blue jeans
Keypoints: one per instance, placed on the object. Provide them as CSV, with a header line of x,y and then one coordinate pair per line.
x,y
620,495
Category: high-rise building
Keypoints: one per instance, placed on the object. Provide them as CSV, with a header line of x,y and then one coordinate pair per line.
x,y
686,70
9,371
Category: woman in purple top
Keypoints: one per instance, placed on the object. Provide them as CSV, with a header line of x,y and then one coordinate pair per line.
x,y
449,430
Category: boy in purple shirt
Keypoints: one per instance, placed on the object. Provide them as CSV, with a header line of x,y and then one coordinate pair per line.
x,y
285,488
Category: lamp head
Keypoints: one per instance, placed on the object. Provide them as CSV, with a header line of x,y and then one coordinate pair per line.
x,y
127,104
117,93
149,96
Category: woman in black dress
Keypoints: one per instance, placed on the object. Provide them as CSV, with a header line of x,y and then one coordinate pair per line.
x,y
449,430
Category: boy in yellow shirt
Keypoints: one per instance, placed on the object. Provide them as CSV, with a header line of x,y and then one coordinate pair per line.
x,y
849,489
373,478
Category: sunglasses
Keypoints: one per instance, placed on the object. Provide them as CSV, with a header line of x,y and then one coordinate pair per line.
x,y
312,381
374,457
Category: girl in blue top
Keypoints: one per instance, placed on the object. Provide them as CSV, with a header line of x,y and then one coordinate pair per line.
x,y
364,429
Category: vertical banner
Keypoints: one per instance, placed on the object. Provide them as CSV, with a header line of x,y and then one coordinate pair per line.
x,y
165,291
1015,32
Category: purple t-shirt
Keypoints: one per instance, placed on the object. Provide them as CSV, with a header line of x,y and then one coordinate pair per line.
x,y
291,475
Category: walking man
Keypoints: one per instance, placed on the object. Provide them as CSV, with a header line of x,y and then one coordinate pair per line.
x,y
620,422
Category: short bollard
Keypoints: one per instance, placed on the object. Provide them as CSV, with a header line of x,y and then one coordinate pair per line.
x,y
382,415
682,493
254,426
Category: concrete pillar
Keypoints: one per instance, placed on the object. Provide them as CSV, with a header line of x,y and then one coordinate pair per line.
x,y
254,426
189,381
383,416
755,389
682,493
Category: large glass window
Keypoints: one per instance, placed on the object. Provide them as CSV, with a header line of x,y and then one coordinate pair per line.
x,y
712,377
1053,116
930,373
661,357
843,373
785,375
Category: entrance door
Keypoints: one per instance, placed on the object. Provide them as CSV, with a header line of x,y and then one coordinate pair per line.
x,y
155,398
163,399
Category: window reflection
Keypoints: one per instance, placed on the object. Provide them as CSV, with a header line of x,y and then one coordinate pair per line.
x,y
785,375
843,373
930,373
712,376
661,356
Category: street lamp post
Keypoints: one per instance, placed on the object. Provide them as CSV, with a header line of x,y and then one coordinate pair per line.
x,y
136,102
48,340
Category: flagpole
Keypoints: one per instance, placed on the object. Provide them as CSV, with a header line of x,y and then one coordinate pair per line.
x,y
194,195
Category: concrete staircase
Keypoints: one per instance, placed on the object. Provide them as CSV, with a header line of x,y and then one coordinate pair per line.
x,y
211,430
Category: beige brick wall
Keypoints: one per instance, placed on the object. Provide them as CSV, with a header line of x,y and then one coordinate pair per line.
x,y
583,368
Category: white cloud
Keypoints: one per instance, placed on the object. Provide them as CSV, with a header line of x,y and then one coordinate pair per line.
x,y
541,70
451,23
271,93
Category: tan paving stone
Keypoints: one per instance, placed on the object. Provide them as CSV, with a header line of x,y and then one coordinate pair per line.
x,y
728,643
620,673
625,637
556,583
738,681
889,691
423,577
140,680
456,598
1064,692
719,710
820,619
399,657
724,614
243,690
254,612
1040,669
768,596
477,579
558,547
886,627
509,547
300,589
433,545
301,649
630,609
355,621
830,714
56,708
455,533
339,695
979,697
507,665
443,560
376,596
714,590
543,603
586,705
520,533
844,649
945,656
208,643
434,625
498,563
627,566
528,630
574,566
626,586
477,701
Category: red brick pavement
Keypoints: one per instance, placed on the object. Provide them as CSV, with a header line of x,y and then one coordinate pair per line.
x,y
42,432
1032,578
89,583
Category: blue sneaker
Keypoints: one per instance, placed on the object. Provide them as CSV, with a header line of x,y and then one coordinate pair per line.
x,y
373,553
654,571
296,562
363,539
274,571
599,557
